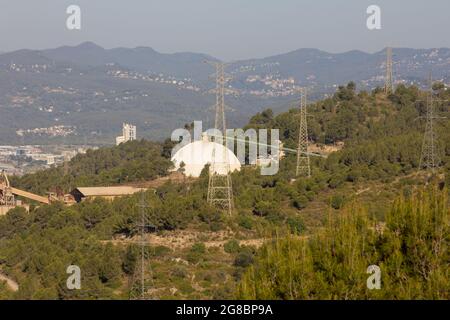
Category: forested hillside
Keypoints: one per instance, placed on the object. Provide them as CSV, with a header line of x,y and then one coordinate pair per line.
x,y
198,252
410,248
382,135
134,161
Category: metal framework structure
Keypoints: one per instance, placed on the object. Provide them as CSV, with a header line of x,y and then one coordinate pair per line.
x,y
138,285
220,188
429,159
6,194
389,82
303,161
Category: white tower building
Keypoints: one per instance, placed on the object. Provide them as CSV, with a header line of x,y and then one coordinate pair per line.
x,y
128,134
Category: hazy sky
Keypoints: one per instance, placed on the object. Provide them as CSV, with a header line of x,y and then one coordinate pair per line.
x,y
227,29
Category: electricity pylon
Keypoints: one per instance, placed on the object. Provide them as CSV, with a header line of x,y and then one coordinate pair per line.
x,y
429,158
389,83
220,188
138,286
303,161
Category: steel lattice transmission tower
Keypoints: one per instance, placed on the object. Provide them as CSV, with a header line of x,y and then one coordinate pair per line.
x,y
429,158
220,188
303,161
138,285
389,82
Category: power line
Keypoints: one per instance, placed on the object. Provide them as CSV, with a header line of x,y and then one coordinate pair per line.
x,y
268,145
138,287
220,189
389,82
429,159
303,162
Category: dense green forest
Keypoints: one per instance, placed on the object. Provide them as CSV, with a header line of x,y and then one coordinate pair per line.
x,y
410,248
381,139
382,134
134,161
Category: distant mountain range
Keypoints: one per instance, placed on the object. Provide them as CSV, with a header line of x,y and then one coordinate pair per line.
x,y
95,89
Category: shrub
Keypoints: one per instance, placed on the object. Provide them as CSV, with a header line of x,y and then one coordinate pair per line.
x,y
335,181
243,259
296,224
300,202
337,201
179,272
231,246
246,222
196,253
160,251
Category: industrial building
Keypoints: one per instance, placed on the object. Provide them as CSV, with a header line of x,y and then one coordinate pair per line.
x,y
8,195
110,193
197,154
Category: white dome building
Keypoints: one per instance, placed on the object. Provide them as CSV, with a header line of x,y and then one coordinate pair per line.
x,y
197,154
